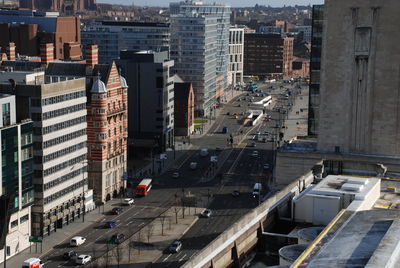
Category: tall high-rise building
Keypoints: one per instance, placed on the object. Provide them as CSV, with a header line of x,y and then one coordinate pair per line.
x,y
57,107
200,49
236,54
16,171
315,69
150,97
115,36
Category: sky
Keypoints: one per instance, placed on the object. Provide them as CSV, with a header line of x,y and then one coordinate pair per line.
x,y
233,3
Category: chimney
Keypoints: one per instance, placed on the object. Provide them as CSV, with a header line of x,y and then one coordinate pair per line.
x,y
92,55
11,51
47,53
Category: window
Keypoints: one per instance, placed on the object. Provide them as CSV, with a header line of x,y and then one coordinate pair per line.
x,y
24,218
26,139
14,224
6,113
26,153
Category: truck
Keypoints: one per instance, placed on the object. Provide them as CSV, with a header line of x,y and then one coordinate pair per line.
x,y
33,263
143,188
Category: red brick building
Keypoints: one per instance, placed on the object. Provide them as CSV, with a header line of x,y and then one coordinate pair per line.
x,y
107,123
183,109
29,29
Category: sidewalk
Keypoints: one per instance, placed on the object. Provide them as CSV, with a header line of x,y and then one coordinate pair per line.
x,y
148,245
63,233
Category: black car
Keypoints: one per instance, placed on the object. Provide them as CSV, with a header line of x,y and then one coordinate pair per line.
x,y
69,255
117,211
117,238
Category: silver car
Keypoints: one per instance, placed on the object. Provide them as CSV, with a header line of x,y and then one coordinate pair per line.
x,y
206,213
175,247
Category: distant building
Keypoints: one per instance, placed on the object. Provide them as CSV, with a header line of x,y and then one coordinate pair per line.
x,y
267,29
107,102
16,139
9,4
300,67
306,32
57,107
183,109
236,54
115,36
69,7
150,98
200,49
315,69
268,55
28,29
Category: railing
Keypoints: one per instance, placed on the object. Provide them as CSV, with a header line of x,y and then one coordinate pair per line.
x,y
116,111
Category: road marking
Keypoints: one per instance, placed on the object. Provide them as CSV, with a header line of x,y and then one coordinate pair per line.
x,y
167,258
182,257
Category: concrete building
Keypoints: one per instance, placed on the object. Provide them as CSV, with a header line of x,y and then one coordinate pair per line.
x,y
305,30
315,69
268,29
236,54
183,109
58,110
268,55
16,177
150,98
115,36
107,122
200,49
358,122
28,29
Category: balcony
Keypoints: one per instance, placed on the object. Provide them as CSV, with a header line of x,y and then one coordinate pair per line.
x,y
116,111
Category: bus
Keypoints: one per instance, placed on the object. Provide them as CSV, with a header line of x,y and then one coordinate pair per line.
x,y
143,188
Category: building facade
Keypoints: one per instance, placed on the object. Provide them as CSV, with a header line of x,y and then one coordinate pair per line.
x,y
150,97
66,6
305,30
107,122
268,55
57,107
115,36
183,109
200,48
236,54
315,69
16,175
28,29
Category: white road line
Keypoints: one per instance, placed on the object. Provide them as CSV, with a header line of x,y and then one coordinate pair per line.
x,y
167,258
182,257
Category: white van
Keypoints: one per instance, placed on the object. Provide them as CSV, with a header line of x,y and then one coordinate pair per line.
x,y
33,263
77,240
204,152
257,189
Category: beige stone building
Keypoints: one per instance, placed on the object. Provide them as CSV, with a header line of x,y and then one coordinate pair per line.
x,y
359,98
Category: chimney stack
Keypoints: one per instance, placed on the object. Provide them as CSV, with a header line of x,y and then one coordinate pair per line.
x,y
47,53
92,55
11,51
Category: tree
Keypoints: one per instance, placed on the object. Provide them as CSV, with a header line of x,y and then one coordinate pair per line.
x,y
162,219
130,245
118,254
149,231
139,240
176,211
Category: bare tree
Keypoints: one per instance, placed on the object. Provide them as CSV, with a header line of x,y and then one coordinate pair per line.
x,y
118,254
94,263
176,211
139,240
169,222
106,256
149,231
162,219
183,208
130,245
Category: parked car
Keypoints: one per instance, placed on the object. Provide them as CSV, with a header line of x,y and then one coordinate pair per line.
x,y
266,166
254,154
128,201
83,259
117,211
253,144
175,247
77,240
235,193
175,175
117,238
69,255
206,213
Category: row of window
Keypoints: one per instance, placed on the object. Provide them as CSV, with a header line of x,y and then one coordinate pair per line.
x,y
63,192
63,165
59,126
57,99
65,151
21,220
58,112
64,138
64,178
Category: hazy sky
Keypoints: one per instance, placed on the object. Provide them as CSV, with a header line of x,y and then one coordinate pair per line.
x,y
233,3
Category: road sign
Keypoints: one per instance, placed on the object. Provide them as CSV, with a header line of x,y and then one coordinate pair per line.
x,y
36,239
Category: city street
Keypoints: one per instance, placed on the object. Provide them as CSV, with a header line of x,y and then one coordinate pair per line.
x,y
209,185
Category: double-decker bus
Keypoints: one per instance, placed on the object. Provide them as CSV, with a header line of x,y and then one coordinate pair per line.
x,y
143,188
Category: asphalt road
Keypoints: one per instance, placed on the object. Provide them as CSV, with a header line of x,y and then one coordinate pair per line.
x,y
239,171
